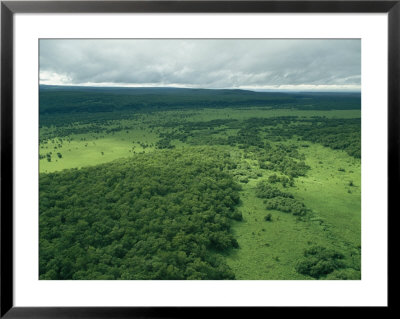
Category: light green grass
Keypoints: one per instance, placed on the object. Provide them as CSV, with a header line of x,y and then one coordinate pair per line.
x,y
326,191
270,250
77,153
94,151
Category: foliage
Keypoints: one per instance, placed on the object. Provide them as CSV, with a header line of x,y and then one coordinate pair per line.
x,y
319,261
267,191
287,205
268,217
285,181
279,200
163,217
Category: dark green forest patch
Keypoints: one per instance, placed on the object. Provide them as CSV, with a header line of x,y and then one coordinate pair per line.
x,y
147,217
320,262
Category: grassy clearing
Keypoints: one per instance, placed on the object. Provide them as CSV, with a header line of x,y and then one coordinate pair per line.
x,y
271,249
99,148
333,190
93,149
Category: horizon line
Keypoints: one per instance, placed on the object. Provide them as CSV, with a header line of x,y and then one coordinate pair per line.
x,y
299,90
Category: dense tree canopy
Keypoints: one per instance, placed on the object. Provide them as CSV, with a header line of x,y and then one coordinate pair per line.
x,y
164,217
319,261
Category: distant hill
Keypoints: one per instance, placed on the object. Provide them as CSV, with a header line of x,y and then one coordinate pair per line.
x,y
72,99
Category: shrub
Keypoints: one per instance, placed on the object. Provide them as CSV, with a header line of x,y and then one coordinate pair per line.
x,y
268,217
265,190
319,261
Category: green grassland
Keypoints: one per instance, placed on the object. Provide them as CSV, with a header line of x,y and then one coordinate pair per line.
x,y
269,249
313,154
89,149
86,149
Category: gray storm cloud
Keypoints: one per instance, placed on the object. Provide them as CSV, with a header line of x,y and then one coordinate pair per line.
x,y
203,63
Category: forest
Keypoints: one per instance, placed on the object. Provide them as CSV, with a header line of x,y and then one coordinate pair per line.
x,y
195,184
56,99
140,218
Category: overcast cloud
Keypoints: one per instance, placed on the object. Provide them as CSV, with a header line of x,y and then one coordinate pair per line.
x,y
248,64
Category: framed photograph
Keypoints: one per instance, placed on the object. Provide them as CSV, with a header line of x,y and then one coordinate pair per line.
x,y
160,158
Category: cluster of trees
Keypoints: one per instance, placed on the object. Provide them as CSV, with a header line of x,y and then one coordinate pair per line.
x,y
348,140
273,158
284,180
320,261
344,134
47,156
164,143
338,134
276,199
246,137
66,130
197,132
147,217
287,205
267,191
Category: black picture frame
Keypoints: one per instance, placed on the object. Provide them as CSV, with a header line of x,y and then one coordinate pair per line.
x,y
9,8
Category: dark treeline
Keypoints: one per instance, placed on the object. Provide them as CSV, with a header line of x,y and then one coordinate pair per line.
x,y
338,134
147,217
86,99
87,118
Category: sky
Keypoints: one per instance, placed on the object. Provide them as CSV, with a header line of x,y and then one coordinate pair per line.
x,y
259,64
